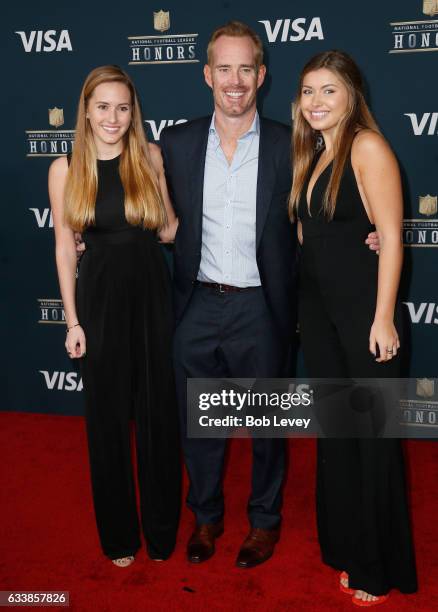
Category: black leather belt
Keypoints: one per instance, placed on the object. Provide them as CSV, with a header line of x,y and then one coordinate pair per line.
x,y
221,288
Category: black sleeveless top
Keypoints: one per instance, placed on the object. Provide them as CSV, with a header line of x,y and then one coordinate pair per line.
x,y
335,261
350,217
110,198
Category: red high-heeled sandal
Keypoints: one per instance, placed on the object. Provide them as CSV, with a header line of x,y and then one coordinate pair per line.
x,y
344,589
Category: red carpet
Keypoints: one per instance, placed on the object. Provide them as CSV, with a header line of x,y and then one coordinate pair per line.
x,y
48,539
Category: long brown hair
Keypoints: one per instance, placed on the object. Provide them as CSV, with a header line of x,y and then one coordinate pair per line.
x,y
304,140
143,202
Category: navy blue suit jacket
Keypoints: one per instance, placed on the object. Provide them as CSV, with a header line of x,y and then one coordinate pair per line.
x,y
184,149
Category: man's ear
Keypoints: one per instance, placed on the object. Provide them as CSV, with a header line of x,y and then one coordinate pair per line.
x,y
207,75
261,75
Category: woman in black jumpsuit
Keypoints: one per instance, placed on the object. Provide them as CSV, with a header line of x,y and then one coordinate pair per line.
x,y
362,515
121,324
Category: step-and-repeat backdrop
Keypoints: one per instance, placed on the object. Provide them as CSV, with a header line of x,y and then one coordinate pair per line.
x,y
49,48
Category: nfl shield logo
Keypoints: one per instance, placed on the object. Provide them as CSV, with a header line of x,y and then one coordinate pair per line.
x,y
430,7
428,205
161,21
56,117
425,387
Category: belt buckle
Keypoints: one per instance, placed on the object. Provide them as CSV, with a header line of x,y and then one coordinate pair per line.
x,y
221,289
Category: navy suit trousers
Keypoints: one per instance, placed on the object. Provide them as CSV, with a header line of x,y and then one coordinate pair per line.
x,y
229,335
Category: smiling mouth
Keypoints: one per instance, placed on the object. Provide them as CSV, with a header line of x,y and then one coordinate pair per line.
x,y
318,114
110,130
234,95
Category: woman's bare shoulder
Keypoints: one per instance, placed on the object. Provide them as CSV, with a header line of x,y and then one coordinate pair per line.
x,y
370,147
59,167
368,142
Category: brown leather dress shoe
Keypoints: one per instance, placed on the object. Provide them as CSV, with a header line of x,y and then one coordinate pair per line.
x,y
258,547
201,544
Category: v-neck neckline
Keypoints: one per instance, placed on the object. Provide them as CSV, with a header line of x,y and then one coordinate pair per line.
x,y
309,199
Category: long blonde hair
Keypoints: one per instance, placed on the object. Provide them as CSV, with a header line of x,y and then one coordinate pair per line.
x,y
304,140
143,202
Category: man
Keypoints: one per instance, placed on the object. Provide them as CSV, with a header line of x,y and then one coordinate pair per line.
x,y
229,178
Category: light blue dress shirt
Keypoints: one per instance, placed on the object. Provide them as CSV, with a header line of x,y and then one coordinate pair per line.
x,y
228,253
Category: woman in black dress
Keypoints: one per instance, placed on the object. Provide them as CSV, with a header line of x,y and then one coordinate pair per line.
x,y
350,318
118,317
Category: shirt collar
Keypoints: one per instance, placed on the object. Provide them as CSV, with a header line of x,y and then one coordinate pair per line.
x,y
254,128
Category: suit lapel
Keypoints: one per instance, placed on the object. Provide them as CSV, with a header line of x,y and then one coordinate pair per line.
x,y
197,153
265,177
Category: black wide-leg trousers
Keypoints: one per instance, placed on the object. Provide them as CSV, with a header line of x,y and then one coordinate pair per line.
x,y
124,306
361,499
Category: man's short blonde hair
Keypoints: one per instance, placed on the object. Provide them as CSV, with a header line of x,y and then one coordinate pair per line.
x,y
237,29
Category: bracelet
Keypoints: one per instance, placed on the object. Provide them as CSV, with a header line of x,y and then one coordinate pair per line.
x,y
69,328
